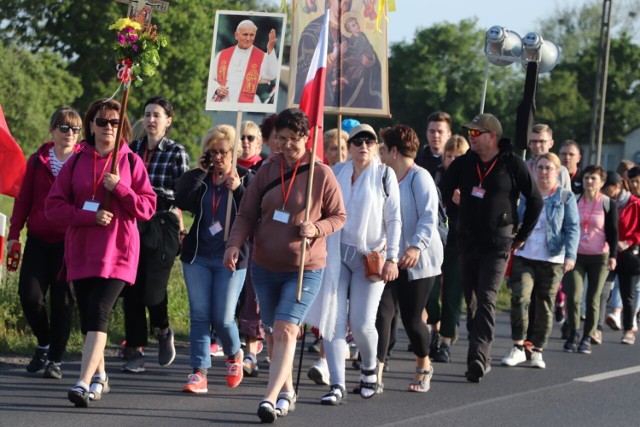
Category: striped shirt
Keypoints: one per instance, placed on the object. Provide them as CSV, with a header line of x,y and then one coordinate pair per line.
x,y
56,164
165,165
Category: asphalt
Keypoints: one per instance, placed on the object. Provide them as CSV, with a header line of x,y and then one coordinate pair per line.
x,y
575,389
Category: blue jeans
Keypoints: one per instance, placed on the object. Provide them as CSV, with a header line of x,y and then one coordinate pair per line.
x,y
277,294
213,294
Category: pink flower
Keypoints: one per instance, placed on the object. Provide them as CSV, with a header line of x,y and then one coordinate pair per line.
x,y
134,47
129,30
133,38
121,39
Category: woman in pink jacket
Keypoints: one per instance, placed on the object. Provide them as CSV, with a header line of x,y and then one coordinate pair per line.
x,y
102,243
44,248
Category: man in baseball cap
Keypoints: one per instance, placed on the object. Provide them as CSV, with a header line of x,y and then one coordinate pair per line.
x,y
485,123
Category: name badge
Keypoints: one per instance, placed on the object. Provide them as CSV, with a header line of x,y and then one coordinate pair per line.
x,y
91,206
281,216
215,228
478,192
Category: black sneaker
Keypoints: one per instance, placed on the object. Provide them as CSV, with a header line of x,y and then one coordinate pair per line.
x,y
559,314
476,371
53,371
571,345
443,355
585,346
38,361
436,342
166,348
134,362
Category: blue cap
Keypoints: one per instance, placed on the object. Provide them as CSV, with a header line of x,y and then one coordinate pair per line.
x,y
348,124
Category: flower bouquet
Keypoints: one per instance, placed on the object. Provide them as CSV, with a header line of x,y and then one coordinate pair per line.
x,y
137,50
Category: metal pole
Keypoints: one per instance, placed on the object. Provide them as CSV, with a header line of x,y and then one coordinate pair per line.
x,y
484,87
603,87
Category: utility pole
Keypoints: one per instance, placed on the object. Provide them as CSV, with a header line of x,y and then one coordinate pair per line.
x,y
600,87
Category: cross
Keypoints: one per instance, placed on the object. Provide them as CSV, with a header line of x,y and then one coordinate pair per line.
x,y
142,8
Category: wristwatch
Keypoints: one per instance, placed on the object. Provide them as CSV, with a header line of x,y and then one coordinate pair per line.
x,y
393,260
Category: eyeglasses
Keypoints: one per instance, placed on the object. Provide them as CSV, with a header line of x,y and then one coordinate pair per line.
x,y
293,139
100,122
249,138
363,140
476,132
221,153
67,128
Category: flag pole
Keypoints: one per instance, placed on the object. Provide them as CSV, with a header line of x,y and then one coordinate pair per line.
x,y
307,207
234,162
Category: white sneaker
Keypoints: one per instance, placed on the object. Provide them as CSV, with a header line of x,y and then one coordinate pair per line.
x,y
536,360
515,357
319,373
613,320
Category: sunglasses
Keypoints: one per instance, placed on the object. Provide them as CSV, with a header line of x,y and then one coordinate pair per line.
x,y
67,128
476,132
221,153
364,140
249,138
100,122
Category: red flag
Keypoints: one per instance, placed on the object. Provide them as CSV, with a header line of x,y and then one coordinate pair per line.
x,y
312,100
12,162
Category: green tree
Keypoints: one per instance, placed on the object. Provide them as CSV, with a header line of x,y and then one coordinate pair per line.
x,y
33,85
78,32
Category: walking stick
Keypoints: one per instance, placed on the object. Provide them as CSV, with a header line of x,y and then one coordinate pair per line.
x,y
116,149
304,334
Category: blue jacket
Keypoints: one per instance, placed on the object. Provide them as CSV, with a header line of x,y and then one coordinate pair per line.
x,y
563,223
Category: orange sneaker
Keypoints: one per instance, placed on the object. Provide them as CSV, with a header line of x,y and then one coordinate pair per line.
x,y
234,370
197,384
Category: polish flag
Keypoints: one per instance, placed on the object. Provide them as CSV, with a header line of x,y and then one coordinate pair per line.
x,y
12,162
312,100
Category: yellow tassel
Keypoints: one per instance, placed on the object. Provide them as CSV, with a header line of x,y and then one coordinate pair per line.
x,y
382,11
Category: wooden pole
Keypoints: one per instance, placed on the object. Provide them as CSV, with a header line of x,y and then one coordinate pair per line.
x,y
303,245
116,149
234,162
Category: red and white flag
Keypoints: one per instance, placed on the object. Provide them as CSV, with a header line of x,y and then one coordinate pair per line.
x,y
12,162
312,100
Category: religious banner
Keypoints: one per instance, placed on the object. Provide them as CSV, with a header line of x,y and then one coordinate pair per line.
x,y
244,72
357,72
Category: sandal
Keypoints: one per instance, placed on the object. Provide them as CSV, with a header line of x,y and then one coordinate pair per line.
x,y
288,404
379,390
423,385
79,396
367,385
335,397
267,412
94,394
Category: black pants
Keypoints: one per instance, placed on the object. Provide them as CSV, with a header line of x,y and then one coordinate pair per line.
x,y
411,296
96,297
626,282
135,316
482,274
41,263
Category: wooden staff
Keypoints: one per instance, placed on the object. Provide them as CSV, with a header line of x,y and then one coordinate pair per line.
x,y
116,149
307,207
234,162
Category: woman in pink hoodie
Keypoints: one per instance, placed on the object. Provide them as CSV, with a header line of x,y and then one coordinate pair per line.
x,y
102,242
44,248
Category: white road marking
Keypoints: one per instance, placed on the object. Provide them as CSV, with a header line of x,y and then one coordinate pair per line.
x,y
609,375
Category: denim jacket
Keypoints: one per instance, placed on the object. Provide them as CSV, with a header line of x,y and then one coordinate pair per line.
x,y
563,223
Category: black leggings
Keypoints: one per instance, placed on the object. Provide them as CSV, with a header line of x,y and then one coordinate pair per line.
x,y
96,297
411,296
41,263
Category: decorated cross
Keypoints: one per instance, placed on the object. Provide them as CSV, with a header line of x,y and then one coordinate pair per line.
x,y
143,8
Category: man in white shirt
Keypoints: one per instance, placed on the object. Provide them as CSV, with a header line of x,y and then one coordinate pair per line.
x,y
239,69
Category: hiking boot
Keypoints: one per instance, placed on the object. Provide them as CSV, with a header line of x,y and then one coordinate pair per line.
x,y
443,355
515,357
585,346
38,361
134,362
197,383
235,370
166,348
571,345
53,371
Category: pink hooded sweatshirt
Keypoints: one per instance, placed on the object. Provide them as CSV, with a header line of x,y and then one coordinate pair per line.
x,y
92,250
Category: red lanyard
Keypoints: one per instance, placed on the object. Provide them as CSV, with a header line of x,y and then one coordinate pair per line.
x,y
482,176
104,169
215,201
285,195
587,222
144,159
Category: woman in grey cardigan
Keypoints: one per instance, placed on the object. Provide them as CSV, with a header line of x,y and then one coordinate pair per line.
x,y
421,249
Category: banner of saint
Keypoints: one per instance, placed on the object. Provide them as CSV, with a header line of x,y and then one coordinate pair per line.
x,y
357,71
246,57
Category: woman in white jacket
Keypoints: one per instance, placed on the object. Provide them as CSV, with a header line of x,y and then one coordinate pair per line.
x,y
372,202
421,249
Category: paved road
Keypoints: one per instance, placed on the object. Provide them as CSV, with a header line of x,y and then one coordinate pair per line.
x,y
586,390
